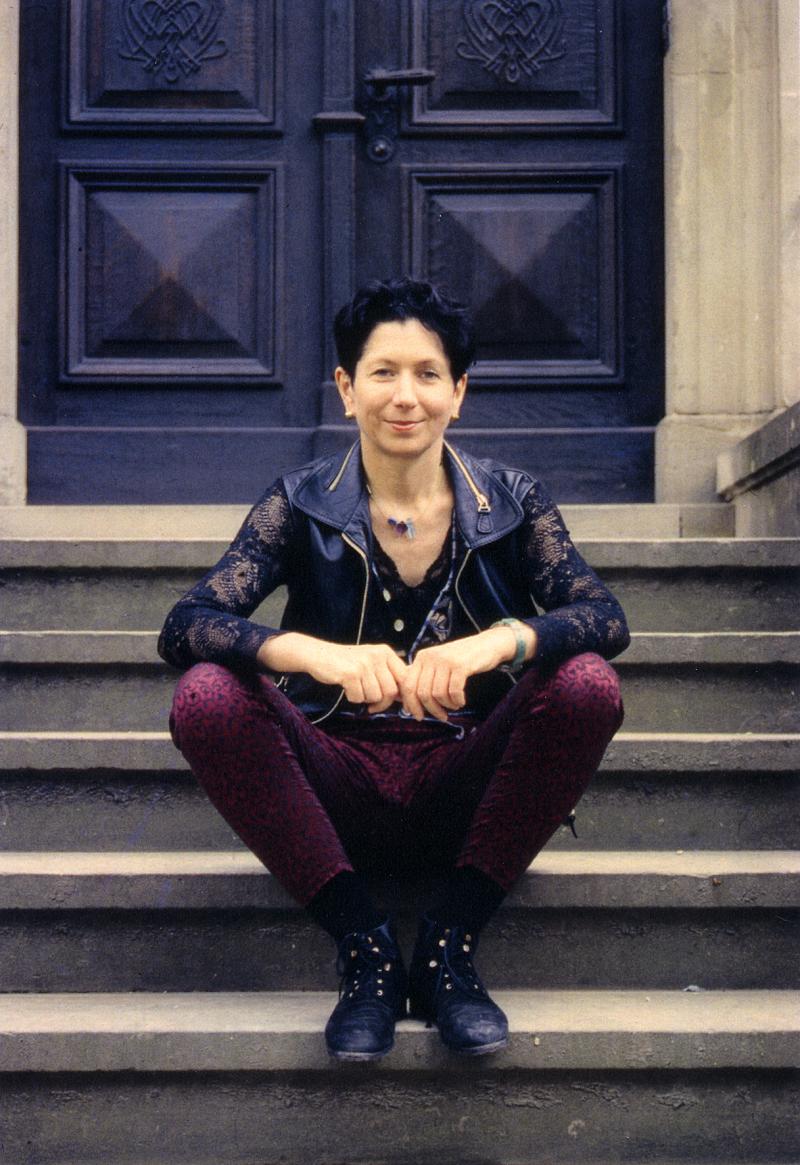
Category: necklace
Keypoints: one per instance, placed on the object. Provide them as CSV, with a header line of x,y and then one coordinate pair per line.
x,y
403,527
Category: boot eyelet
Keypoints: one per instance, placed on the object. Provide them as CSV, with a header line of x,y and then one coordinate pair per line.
x,y
433,963
465,948
379,992
448,986
442,942
387,966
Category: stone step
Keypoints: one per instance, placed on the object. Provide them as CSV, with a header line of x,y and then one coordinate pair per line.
x,y
587,1077
112,810
200,921
132,791
651,649
639,752
233,880
695,682
671,584
282,1032
92,523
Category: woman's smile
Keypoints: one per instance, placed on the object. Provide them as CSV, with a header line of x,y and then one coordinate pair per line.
x,y
404,426
403,388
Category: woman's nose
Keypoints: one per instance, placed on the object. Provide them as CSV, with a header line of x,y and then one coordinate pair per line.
x,y
404,389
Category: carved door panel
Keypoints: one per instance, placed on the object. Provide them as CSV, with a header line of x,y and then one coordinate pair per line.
x,y
171,332
519,162
206,181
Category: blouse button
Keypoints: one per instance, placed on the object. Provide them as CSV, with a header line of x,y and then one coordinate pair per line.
x,y
387,595
398,624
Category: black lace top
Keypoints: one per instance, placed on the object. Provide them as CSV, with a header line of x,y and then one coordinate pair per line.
x,y
211,622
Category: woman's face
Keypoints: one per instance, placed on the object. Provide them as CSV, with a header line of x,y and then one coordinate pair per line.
x,y
403,395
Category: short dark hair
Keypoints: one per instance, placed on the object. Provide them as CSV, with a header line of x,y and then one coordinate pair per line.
x,y
404,299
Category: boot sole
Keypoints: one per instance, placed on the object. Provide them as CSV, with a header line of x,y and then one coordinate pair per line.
x,y
481,1050
359,1057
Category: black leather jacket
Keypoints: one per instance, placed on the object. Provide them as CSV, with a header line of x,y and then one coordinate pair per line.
x,y
517,560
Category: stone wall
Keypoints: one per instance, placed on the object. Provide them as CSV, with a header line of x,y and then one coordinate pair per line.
x,y
761,476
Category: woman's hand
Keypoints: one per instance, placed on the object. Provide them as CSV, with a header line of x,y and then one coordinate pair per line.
x,y
435,682
370,673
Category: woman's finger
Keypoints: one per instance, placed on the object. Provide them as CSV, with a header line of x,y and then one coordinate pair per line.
x,y
354,690
371,686
389,689
456,688
423,689
408,691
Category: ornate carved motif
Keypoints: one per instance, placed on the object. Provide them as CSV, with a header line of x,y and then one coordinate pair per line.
x,y
172,37
512,38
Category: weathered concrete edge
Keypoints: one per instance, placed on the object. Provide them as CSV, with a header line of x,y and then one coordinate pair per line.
x,y
217,522
769,452
538,889
631,753
200,554
415,1050
654,649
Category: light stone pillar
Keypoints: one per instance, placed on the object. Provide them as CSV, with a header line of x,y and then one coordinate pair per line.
x,y
789,222
722,160
12,433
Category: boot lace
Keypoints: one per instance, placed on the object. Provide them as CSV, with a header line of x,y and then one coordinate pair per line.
x,y
364,968
456,971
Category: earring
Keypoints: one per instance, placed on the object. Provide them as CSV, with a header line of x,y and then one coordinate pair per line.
x,y
348,415
455,416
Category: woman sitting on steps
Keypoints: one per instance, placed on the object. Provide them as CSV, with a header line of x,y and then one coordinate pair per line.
x,y
437,698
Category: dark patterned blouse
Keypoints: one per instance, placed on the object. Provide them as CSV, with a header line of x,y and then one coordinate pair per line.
x,y
211,622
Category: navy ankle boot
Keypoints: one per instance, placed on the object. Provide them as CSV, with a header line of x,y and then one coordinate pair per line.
x,y
372,995
445,990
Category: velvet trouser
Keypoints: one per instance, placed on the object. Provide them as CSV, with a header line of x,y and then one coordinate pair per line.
x,y
391,796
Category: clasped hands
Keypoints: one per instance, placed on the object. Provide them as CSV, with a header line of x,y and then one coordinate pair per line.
x,y
375,675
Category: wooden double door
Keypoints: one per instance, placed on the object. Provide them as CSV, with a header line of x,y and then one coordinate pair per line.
x,y
205,181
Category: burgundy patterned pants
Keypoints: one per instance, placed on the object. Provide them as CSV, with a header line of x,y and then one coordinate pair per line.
x,y
394,796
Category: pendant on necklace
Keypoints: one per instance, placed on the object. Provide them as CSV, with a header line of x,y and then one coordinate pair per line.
x,y
402,529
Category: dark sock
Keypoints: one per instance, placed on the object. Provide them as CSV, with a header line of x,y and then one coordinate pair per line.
x,y
468,898
344,905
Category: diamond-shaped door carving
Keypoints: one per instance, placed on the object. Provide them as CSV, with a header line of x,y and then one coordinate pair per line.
x,y
535,254
171,275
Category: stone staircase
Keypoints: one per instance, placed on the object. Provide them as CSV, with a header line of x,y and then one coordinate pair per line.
x,y
163,1000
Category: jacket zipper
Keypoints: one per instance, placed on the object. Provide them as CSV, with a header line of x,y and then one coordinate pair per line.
x,y
363,558
483,502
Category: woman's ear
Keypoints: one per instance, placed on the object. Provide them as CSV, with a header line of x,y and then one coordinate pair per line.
x,y
345,386
458,396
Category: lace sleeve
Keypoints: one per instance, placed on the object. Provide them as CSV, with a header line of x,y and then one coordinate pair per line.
x,y
211,621
581,614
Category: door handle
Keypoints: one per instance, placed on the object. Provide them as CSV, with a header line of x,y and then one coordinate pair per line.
x,y
381,106
380,79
